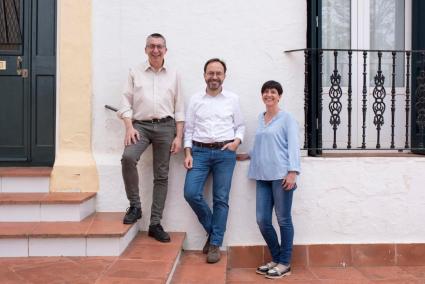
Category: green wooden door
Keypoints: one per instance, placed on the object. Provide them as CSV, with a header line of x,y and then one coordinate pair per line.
x,y
27,82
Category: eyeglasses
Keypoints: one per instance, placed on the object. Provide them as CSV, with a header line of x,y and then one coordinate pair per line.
x,y
157,46
211,74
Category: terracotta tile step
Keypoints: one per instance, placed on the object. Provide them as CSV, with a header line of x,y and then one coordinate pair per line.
x,y
147,248
25,171
45,198
145,261
193,268
104,224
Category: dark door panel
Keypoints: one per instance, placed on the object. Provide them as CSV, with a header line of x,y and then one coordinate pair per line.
x,y
43,77
28,83
14,88
418,77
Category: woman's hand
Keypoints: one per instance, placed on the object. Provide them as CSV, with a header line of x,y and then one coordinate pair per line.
x,y
288,182
242,156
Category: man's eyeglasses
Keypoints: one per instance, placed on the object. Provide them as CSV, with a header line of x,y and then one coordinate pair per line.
x,y
218,74
157,46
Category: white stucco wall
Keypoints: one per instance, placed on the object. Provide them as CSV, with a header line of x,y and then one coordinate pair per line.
x,y
339,200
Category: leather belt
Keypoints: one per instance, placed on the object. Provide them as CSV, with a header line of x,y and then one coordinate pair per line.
x,y
214,145
155,120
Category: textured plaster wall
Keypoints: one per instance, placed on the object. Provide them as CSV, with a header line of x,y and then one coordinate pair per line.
x,y
345,200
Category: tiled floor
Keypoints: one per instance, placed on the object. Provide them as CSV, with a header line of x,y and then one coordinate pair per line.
x,y
371,274
147,261
144,261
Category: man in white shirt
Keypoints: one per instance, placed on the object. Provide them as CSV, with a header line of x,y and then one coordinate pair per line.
x,y
214,129
152,109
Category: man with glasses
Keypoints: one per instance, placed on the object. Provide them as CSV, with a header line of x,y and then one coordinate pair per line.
x,y
153,113
214,129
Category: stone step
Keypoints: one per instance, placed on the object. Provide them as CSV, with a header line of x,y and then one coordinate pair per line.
x,y
25,179
46,207
193,268
144,261
147,260
100,234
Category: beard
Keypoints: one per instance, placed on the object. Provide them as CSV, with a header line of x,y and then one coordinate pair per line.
x,y
214,84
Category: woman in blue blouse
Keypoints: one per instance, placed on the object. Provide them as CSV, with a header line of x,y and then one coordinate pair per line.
x,y
275,164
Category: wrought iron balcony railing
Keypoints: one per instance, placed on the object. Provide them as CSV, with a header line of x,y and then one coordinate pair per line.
x,y
350,86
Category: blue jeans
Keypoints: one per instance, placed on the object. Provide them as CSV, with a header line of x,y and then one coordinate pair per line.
x,y
221,164
271,194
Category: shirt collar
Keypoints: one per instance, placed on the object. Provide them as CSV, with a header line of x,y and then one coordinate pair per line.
x,y
147,66
223,93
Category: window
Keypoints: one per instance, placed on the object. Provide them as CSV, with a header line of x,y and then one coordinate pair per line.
x,y
368,120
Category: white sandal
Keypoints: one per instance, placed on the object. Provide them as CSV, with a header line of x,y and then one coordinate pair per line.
x,y
266,267
278,271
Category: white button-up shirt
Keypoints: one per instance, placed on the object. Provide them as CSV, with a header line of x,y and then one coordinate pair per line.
x,y
149,94
213,119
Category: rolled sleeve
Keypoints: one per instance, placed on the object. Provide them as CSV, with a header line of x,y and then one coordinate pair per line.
x,y
238,121
126,110
179,104
188,125
293,146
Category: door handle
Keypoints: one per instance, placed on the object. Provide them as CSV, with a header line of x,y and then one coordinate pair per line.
x,y
19,66
19,70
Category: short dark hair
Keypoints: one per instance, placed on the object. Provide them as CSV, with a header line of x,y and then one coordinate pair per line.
x,y
215,60
272,85
156,35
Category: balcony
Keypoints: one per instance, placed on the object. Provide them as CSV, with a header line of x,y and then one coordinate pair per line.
x,y
363,100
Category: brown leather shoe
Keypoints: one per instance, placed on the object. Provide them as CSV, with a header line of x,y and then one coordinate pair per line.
x,y
214,254
206,246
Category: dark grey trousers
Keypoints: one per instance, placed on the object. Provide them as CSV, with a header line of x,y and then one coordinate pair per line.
x,y
161,136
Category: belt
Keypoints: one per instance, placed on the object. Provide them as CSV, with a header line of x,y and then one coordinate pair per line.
x,y
155,120
214,145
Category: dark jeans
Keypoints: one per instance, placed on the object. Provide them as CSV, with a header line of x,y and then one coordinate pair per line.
x,y
161,136
271,194
221,164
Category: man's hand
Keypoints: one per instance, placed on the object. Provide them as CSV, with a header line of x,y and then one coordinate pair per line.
x,y
177,142
289,181
188,160
232,146
131,136
176,146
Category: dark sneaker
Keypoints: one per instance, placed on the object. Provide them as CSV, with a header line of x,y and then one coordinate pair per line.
x,y
206,246
263,269
214,254
133,214
278,271
158,233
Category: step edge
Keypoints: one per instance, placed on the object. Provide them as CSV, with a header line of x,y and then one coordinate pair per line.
x,y
42,200
25,171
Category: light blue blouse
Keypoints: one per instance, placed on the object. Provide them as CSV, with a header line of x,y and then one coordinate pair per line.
x,y
276,148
